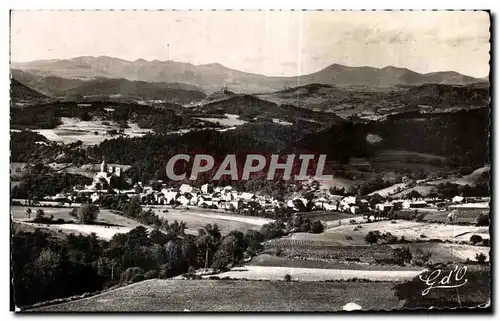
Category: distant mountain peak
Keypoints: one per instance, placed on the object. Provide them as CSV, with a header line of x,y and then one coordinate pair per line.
x,y
212,76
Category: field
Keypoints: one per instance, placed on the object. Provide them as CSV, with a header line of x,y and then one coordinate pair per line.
x,y
424,190
230,295
388,191
274,273
198,218
414,230
275,261
107,224
331,218
231,120
73,129
473,177
463,216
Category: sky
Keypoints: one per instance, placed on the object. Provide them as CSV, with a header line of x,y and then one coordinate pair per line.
x,y
273,43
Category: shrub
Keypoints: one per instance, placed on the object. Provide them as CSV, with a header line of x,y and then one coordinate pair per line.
x,y
420,217
317,227
87,213
480,258
352,221
349,238
483,220
486,242
372,237
287,278
421,257
151,274
423,236
402,255
394,222
389,238
131,275
474,239
278,252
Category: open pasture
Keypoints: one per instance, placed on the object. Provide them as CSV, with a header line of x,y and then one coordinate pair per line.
x,y
107,224
467,216
275,261
197,219
275,273
412,230
232,295
473,177
73,129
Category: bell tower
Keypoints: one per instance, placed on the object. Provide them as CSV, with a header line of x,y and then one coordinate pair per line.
x,y
104,165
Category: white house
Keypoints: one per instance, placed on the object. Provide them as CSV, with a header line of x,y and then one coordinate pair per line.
x,y
185,188
206,188
247,196
457,199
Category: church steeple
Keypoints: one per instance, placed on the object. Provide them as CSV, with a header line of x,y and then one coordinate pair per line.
x,y
104,165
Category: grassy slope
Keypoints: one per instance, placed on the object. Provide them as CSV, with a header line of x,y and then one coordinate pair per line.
x,y
207,295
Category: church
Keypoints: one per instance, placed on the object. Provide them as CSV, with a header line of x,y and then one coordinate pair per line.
x,y
102,180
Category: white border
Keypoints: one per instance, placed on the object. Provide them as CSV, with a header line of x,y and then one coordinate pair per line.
x,y
191,4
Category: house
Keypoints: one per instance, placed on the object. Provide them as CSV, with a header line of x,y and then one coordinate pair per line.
x,y
457,199
330,206
207,188
320,202
185,188
183,200
414,204
384,207
247,196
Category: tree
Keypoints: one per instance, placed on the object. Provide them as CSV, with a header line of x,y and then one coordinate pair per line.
x,y
317,227
413,194
253,240
372,237
133,208
87,213
483,220
474,239
230,251
131,275
480,258
158,237
208,240
402,255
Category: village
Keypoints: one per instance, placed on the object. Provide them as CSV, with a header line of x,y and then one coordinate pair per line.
x,y
228,199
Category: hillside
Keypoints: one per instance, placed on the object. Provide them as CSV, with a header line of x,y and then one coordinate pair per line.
x,y
460,136
103,88
250,107
212,77
208,295
20,93
356,99
141,90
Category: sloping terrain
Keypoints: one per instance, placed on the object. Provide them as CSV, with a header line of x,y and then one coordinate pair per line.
x,y
209,295
102,88
360,100
20,93
251,107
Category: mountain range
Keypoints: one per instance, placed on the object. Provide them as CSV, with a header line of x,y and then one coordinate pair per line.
x,y
211,77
